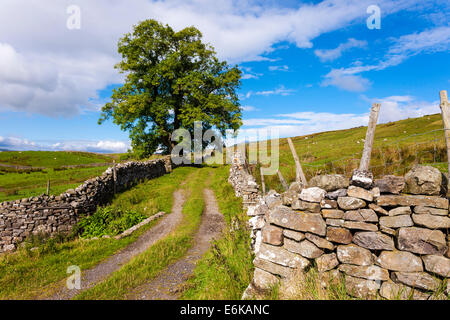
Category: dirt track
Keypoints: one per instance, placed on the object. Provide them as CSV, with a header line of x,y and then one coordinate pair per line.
x,y
167,284
101,271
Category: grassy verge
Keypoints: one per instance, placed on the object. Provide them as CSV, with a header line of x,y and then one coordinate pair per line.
x,y
226,269
147,265
25,273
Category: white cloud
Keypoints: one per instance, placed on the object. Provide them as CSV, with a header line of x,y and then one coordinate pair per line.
x,y
102,146
55,71
281,91
350,82
269,122
404,47
14,143
402,107
249,74
332,54
249,108
279,68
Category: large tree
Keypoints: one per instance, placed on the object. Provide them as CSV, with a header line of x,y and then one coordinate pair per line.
x,y
172,80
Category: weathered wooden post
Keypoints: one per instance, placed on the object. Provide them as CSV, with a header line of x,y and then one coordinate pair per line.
x,y
446,119
114,176
48,187
262,181
283,182
363,177
299,175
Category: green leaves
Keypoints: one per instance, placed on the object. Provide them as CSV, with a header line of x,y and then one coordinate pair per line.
x,y
108,221
172,80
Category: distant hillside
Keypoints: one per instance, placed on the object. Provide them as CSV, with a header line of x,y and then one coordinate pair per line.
x,y
52,159
397,147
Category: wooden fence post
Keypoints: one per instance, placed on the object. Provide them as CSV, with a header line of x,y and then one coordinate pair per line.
x,y
299,175
283,182
362,177
262,181
368,143
48,187
446,119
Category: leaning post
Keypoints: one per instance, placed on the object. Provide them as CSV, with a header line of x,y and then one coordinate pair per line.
x,y
363,177
446,119
299,175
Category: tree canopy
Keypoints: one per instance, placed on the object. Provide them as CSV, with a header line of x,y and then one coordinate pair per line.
x,y
172,80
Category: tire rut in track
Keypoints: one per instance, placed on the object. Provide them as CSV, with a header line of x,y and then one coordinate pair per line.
x,y
167,284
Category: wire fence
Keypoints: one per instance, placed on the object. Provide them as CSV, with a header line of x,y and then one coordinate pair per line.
x,y
393,157
389,156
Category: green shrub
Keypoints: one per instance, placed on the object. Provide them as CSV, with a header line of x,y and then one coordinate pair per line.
x,y
108,221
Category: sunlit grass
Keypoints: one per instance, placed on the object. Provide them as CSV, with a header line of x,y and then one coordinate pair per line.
x,y
25,273
226,269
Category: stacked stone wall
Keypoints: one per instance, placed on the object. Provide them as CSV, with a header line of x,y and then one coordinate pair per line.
x,y
52,214
388,240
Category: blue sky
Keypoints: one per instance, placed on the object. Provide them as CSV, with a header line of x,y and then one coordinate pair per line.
x,y
308,66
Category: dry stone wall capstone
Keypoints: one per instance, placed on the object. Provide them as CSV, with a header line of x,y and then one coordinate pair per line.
x,y
52,214
381,241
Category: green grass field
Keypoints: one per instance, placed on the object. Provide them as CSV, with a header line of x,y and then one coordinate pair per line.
x,y
397,147
18,183
23,185
35,168
52,159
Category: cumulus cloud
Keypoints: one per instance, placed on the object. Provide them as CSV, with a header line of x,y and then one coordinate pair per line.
x,y
102,146
349,82
51,70
333,54
14,143
402,107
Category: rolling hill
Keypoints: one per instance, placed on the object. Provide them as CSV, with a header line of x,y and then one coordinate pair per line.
x,y
397,147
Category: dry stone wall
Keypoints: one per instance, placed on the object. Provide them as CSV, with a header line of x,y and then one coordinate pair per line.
x,y
52,214
381,241
243,183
